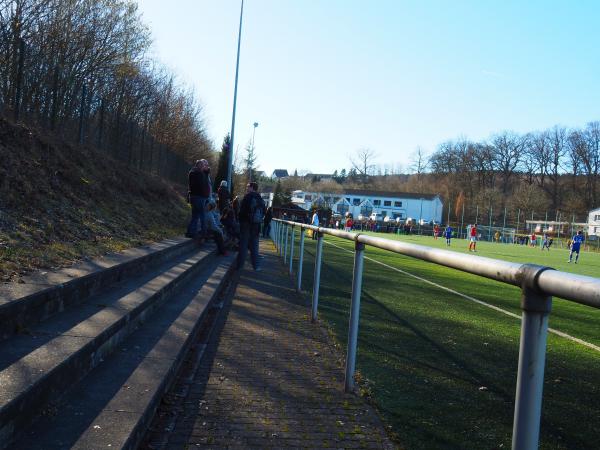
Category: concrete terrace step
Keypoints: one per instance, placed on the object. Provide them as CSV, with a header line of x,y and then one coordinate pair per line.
x,y
38,367
44,294
113,406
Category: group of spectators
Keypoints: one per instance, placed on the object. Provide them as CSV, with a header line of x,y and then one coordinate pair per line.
x,y
232,223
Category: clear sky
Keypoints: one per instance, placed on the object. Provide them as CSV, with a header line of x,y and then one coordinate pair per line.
x,y
324,78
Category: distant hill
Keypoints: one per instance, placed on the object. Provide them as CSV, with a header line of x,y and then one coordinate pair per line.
x,y
59,203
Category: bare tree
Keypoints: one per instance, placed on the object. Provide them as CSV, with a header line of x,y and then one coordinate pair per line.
x,y
363,163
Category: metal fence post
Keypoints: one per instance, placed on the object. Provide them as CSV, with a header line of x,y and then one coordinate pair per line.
x,y
536,308
280,239
292,251
300,260
317,277
354,315
285,248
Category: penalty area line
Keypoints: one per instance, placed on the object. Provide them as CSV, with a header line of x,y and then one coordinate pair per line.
x,y
473,299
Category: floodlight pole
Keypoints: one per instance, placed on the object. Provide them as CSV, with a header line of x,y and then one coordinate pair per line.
x,y
237,68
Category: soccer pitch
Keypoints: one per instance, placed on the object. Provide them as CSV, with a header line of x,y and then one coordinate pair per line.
x,y
440,367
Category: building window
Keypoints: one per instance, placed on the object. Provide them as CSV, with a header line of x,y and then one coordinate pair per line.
x,y
366,210
328,199
348,199
398,204
308,197
387,203
376,202
356,201
597,217
342,208
383,213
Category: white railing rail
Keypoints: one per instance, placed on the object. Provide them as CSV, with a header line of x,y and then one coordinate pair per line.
x,y
538,285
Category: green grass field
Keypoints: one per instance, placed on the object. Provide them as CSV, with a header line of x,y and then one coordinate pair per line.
x,y
442,369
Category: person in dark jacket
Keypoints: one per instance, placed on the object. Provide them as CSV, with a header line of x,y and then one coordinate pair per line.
x,y
223,196
249,227
267,222
199,191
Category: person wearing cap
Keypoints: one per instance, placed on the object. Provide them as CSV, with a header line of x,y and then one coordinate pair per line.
x,y
223,196
199,191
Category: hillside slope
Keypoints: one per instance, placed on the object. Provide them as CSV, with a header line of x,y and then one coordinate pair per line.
x,y
59,203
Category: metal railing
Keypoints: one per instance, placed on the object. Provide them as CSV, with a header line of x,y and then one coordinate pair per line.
x,y
538,285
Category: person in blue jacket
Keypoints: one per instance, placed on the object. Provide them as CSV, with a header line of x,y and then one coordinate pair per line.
x,y
576,242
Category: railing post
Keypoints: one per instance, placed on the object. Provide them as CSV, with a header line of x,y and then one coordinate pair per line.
x,y
280,239
285,247
300,261
317,276
292,251
536,308
359,250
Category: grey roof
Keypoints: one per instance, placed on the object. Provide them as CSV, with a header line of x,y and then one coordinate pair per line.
x,y
392,194
280,173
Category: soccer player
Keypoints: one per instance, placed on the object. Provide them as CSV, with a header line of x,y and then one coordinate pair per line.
x,y
546,242
448,234
473,238
576,245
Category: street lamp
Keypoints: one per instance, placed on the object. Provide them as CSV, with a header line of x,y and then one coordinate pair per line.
x,y
253,133
237,67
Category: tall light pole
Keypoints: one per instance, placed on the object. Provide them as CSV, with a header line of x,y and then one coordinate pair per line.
x,y
253,133
237,68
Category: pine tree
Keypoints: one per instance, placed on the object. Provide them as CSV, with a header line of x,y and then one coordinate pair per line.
x,y
223,160
250,162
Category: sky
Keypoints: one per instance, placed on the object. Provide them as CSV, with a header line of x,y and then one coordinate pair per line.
x,y
326,78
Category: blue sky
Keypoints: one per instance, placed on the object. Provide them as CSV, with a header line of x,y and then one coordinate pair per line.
x,y
324,78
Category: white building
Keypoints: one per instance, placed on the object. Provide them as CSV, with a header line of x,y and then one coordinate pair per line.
x,y
403,205
594,222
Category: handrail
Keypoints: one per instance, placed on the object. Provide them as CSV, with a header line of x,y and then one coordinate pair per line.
x,y
578,288
538,285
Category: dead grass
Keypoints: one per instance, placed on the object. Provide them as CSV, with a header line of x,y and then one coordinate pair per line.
x,y
59,204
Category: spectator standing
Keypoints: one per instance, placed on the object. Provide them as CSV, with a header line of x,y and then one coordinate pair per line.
x,y
199,191
315,223
251,216
267,222
223,196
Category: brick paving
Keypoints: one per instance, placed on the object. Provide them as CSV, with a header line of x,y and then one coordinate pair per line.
x,y
271,379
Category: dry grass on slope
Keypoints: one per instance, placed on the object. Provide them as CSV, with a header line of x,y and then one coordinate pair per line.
x,y
59,203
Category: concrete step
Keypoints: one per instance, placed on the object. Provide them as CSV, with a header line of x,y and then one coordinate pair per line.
x,y
37,367
113,406
45,293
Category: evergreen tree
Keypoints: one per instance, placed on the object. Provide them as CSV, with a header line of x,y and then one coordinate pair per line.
x,y
223,160
250,162
280,197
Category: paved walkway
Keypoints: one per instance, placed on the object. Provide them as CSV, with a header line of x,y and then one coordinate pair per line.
x,y
270,378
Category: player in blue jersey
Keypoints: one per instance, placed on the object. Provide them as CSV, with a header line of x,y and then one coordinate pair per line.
x,y
576,245
448,234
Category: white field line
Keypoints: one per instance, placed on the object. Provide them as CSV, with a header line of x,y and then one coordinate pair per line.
x,y
472,299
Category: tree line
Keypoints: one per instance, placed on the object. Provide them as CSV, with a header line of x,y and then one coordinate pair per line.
x,y
81,68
